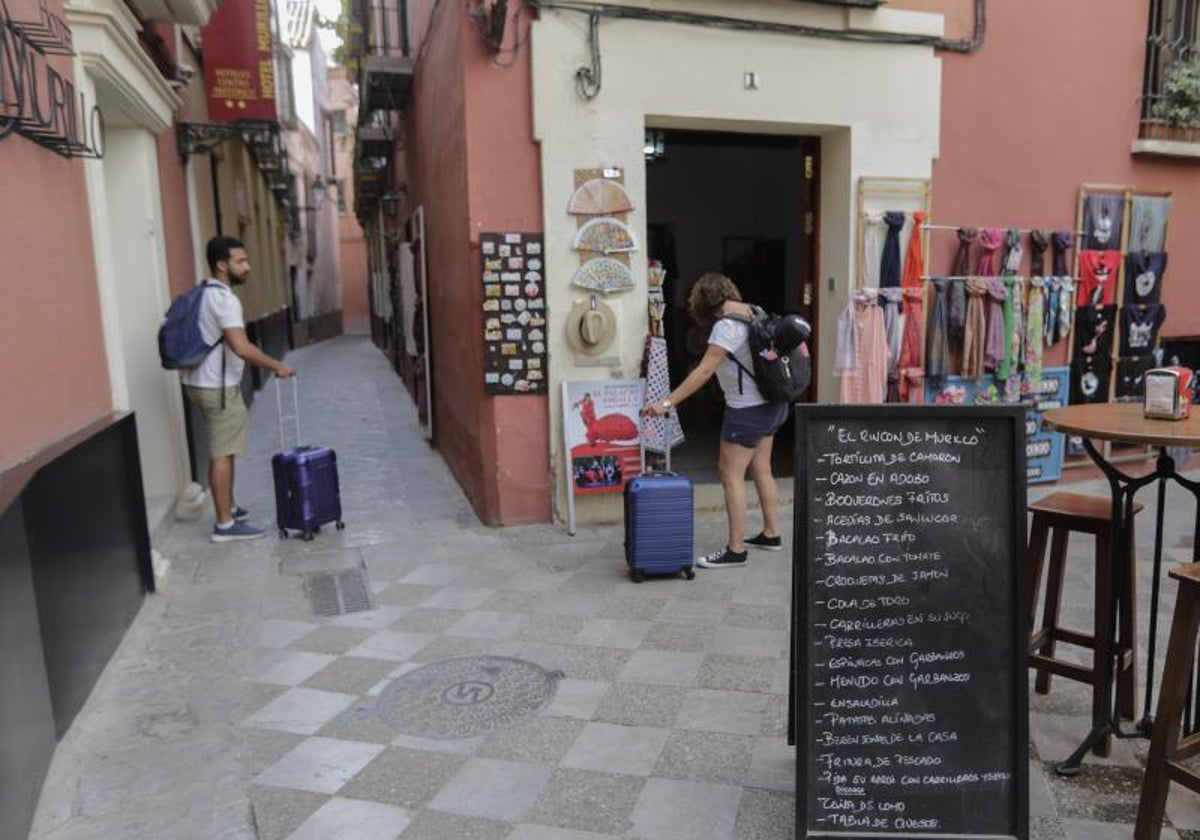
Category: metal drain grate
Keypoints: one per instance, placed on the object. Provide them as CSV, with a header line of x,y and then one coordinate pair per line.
x,y
338,593
463,698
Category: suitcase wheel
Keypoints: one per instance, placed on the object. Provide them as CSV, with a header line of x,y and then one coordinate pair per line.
x,y
307,536
341,526
283,535
637,575
689,574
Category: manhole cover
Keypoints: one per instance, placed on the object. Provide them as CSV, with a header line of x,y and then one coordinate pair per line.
x,y
462,698
338,593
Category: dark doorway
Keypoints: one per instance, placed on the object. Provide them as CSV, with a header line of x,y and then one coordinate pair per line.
x,y
745,205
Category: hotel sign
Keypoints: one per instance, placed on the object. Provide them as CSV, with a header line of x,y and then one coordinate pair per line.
x,y
36,100
239,63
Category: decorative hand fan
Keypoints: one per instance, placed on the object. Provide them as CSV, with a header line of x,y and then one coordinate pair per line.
x,y
599,197
604,235
603,275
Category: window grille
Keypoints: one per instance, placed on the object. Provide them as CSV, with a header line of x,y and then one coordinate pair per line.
x,y
1172,43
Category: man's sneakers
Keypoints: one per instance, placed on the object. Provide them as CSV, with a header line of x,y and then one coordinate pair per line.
x,y
236,531
723,559
765,543
240,514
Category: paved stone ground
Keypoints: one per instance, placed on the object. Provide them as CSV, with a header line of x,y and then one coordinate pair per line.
x,y
233,711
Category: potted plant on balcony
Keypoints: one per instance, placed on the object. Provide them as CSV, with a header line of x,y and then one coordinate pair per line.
x,y
1179,102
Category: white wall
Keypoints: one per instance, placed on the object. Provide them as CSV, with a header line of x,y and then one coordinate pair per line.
x,y
876,108
125,205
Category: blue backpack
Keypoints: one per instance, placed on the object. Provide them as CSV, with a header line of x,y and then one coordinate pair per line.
x,y
181,345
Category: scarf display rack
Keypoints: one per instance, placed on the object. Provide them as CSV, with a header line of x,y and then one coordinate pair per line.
x,y
877,194
1122,197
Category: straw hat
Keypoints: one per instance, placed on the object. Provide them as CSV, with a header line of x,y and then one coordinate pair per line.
x,y
591,326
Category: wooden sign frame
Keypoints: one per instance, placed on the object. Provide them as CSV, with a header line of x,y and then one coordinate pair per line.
x,y
1010,486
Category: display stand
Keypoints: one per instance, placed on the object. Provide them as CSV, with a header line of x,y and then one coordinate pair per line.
x,y
1112,453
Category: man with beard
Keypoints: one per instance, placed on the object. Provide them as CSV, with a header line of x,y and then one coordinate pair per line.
x,y
214,386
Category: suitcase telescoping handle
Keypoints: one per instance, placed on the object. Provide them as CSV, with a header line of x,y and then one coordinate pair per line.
x,y
283,447
642,439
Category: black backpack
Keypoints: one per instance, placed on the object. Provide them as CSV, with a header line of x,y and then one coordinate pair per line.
x,y
782,366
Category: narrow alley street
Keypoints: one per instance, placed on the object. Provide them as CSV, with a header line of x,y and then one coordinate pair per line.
x,y
232,710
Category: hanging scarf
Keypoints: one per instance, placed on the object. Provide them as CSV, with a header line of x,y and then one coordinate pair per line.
x,y
989,241
956,311
845,359
1062,241
995,338
913,386
1012,385
1053,294
937,348
1039,241
890,300
1013,251
1065,306
873,240
914,257
962,260
889,266
1033,334
1009,304
910,345
976,328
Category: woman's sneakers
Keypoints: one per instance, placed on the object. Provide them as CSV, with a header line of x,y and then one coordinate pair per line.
x,y
762,541
722,559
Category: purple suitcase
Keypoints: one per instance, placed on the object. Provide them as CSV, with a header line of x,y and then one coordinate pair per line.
x,y
307,492
659,523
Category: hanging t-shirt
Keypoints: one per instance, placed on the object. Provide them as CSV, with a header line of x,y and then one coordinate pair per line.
x,y
1094,327
1089,379
733,336
1102,217
1143,276
1139,328
221,310
1097,277
1131,378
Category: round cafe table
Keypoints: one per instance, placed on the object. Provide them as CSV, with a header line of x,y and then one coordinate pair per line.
x,y
1125,423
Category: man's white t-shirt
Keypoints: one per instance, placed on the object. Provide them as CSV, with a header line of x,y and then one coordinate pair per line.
x,y
734,336
220,311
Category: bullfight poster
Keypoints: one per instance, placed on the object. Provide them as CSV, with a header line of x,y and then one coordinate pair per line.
x,y
600,433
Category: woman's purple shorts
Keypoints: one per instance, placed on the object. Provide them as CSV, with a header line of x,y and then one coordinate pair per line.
x,y
747,426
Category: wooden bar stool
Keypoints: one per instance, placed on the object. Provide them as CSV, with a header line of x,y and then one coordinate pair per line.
x,y
1055,517
1168,751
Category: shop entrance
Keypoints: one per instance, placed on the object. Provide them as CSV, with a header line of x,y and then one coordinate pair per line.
x,y
745,205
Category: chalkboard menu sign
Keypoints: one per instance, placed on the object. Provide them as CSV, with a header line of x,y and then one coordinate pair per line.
x,y
514,313
909,655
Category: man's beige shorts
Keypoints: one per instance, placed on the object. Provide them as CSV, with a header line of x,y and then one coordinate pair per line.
x,y
226,427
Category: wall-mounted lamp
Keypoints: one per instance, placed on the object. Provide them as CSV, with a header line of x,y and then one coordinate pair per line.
x,y
391,200
316,193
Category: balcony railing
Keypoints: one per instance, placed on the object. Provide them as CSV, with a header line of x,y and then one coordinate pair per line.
x,y
1169,110
382,45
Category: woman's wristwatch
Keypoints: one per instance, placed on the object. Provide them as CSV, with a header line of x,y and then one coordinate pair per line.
x,y
666,404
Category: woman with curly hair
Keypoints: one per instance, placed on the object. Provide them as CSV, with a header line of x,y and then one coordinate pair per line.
x,y
750,422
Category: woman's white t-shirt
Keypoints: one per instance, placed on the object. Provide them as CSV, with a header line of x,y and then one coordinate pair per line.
x,y
733,336
220,310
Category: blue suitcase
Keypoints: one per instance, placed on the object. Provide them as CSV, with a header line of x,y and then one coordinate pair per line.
x,y
307,492
659,523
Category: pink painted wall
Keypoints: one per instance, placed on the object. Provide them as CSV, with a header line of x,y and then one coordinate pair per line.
x,y
506,195
473,165
52,359
352,251
1049,103
177,228
436,173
